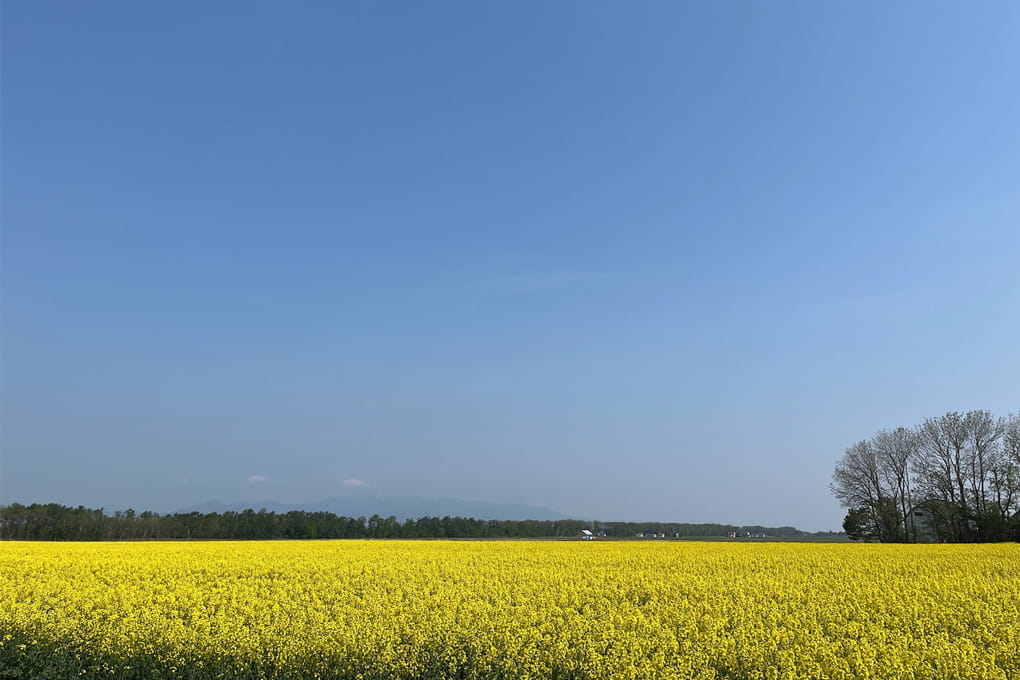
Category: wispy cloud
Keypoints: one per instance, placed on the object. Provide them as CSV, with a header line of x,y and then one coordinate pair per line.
x,y
354,481
257,479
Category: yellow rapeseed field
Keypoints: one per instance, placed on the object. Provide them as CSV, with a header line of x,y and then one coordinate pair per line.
x,y
540,610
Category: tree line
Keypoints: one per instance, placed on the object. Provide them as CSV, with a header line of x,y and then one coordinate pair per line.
x,y
55,522
954,478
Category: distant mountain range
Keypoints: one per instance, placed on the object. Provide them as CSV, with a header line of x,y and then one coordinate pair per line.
x,y
403,507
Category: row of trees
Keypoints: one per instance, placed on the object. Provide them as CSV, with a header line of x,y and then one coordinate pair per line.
x,y
54,522
954,478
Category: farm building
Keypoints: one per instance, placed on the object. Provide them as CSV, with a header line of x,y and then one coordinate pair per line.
x,y
922,524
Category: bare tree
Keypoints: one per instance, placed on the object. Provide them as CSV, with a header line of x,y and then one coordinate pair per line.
x,y
983,435
1011,438
942,472
857,481
896,451
1005,477
862,484
962,468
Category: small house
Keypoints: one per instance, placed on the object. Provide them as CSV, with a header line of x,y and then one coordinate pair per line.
x,y
921,524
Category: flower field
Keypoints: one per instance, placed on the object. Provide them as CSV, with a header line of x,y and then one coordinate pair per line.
x,y
541,610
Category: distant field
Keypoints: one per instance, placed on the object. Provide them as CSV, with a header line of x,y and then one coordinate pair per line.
x,y
442,609
739,539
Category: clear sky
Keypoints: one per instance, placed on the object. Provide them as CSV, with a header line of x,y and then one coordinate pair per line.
x,y
631,261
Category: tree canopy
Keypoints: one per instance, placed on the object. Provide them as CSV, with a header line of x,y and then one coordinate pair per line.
x,y
57,522
954,478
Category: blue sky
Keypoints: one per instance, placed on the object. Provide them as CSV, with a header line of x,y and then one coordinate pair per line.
x,y
658,261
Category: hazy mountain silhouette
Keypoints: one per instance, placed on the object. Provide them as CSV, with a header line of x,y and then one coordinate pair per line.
x,y
403,507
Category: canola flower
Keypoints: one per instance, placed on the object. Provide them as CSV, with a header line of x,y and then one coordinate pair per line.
x,y
509,610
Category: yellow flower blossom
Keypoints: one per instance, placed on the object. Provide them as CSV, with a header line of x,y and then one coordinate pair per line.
x,y
537,610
